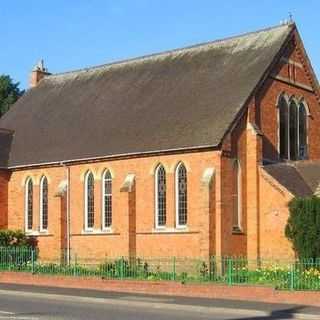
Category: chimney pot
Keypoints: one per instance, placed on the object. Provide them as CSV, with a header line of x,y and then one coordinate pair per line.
x,y
38,73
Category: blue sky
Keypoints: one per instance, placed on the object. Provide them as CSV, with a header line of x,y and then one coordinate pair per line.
x,y
72,34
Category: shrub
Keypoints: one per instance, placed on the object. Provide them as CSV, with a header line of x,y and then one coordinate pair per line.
x,y
15,249
115,269
16,238
122,267
303,227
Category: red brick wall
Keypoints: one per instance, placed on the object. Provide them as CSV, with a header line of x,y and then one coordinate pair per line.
x,y
273,218
244,144
234,147
171,288
49,243
148,242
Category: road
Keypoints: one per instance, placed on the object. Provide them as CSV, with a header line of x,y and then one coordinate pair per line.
x,y
35,303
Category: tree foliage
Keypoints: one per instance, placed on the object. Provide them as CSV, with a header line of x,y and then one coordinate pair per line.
x,y
303,227
9,93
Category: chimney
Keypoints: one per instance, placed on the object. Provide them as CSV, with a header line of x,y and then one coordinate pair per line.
x,y
38,73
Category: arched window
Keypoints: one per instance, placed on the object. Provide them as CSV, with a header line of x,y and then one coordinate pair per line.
x,y
160,197
89,201
293,130
237,196
29,205
284,128
293,124
107,200
44,204
302,132
181,196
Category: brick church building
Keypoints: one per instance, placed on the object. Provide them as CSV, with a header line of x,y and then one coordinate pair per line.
x,y
191,152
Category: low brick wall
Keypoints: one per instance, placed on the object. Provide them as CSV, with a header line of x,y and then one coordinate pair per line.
x,y
247,293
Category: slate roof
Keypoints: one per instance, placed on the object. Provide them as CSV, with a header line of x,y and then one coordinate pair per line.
x,y
6,137
301,178
185,98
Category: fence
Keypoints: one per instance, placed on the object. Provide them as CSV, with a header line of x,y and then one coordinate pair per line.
x,y
281,274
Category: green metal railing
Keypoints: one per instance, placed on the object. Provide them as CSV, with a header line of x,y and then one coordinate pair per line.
x,y
17,258
281,274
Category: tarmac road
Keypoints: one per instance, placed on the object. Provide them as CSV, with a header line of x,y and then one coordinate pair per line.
x,y
39,303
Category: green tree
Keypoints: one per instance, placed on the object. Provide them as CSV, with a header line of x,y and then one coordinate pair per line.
x,y
9,93
303,227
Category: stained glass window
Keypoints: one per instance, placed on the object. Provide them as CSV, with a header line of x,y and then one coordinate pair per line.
x,y
292,130
44,203
107,188
29,204
293,117
284,129
89,200
303,152
182,196
161,216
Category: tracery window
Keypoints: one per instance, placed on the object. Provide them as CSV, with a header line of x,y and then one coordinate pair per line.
x,y
292,129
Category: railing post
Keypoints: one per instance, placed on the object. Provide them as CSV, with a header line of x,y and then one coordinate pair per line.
x,y
121,268
212,268
174,269
292,277
229,271
75,265
32,260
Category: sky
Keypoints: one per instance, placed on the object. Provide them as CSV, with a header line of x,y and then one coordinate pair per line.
x,y
73,34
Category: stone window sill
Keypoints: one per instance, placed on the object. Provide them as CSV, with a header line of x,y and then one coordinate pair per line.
x,y
97,232
38,233
170,230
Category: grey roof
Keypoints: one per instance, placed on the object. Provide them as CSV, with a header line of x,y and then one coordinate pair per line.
x,y
5,145
185,98
301,178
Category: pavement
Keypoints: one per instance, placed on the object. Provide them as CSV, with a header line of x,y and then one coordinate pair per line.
x,y
26,302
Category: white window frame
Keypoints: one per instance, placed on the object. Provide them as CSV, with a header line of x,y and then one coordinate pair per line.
x,y
157,226
179,226
86,228
26,196
41,204
104,228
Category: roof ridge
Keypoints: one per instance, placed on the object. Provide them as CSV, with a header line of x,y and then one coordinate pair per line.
x,y
166,52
